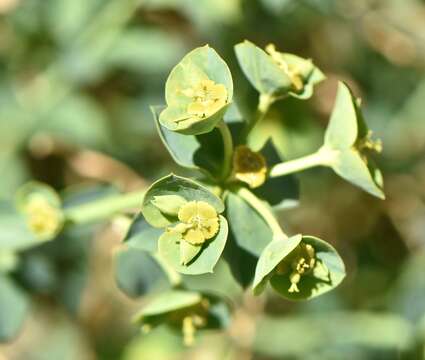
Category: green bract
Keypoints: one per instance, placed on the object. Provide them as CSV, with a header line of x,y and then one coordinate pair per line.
x,y
277,74
185,312
198,91
299,268
194,233
201,152
41,207
187,189
36,217
348,142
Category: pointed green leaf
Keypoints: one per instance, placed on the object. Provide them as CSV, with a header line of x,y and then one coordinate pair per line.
x,y
211,250
261,71
268,78
176,185
342,130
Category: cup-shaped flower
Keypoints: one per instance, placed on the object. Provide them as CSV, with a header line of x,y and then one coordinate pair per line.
x,y
185,312
299,268
249,166
41,207
253,167
349,144
200,222
277,74
194,231
198,92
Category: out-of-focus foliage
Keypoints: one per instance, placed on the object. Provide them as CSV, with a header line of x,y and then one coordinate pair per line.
x,y
76,78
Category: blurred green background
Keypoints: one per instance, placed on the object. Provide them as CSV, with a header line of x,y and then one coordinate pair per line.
x,y
76,80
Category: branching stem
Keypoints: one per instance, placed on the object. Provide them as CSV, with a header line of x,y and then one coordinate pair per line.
x,y
322,157
103,208
228,148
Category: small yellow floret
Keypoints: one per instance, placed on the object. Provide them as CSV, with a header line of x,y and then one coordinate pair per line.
x,y
201,221
207,98
249,167
43,219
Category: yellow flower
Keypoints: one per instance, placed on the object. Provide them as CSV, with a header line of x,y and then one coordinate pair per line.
x,y
207,98
249,167
199,222
43,219
294,72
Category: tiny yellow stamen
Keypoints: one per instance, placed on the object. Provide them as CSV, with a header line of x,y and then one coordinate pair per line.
x,y
367,143
294,72
207,98
302,262
201,221
189,330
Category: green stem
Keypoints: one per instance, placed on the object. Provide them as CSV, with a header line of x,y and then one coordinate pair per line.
x,y
265,211
103,208
264,103
228,148
322,157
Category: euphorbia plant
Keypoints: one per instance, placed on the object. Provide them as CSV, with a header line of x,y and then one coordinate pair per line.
x,y
227,210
